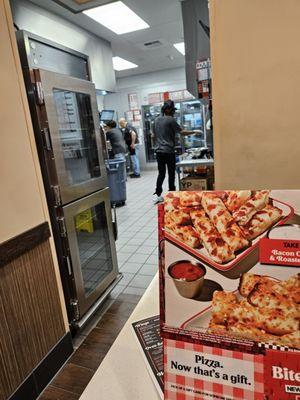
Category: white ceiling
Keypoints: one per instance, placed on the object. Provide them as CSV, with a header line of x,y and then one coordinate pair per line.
x,y
164,18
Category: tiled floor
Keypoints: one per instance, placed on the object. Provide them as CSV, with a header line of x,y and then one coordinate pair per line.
x,y
138,261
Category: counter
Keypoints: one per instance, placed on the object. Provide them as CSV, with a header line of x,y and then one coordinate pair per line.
x,y
123,374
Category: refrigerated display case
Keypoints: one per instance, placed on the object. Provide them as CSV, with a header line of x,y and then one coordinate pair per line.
x,y
150,113
190,115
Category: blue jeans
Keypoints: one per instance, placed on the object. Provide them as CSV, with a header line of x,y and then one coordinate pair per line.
x,y
135,162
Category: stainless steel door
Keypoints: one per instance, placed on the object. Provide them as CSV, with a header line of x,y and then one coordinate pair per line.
x,y
70,121
92,246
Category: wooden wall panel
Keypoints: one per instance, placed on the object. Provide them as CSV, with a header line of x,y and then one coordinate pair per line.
x,y
31,315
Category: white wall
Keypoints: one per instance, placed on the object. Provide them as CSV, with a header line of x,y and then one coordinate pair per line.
x,y
144,84
37,20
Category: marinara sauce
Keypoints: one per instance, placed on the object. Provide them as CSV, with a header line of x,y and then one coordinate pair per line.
x,y
186,271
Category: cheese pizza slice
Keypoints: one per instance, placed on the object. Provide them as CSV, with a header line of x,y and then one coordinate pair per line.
x,y
236,198
290,287
223,304
249,281
274,321
225,224
250,332
261,221
257,202
290,340
187,234
216,247
267,298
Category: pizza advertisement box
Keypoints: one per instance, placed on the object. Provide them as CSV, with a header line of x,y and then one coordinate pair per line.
x,y
229,277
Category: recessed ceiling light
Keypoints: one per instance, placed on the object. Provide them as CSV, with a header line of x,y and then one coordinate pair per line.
x,y
117,17
120,64
180,47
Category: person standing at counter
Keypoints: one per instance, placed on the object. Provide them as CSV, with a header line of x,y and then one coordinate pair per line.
x,y
165,129
132,142
115,136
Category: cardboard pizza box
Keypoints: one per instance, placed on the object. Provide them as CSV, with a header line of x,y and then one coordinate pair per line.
x,y
230,293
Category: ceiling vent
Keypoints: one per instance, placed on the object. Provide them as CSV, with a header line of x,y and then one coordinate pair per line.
x,y
153,44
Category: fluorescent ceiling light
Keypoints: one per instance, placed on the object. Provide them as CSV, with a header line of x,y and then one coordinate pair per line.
x,y
120,64
180,47
117,17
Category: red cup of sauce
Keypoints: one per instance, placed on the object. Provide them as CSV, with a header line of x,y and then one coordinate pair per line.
x,y
188,277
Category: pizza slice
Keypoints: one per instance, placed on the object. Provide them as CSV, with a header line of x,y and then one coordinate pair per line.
x,y
290,340
171,201
261,221
290,287
257,202
274,321
216,247
236,198
187,234
225,224
252,333
249,281
223,304
267,298
190,199
178,217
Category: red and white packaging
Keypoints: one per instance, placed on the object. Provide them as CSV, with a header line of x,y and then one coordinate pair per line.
x,y
225,321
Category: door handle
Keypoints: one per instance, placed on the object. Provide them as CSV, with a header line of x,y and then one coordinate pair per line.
x,y
115,223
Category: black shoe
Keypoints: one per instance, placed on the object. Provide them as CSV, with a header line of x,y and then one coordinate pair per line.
x,y
135,176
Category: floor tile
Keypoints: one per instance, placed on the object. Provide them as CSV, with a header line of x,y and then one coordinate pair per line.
x,y
138,258
54,393
110,321
129,298
152,259
127,278
140,281
148,269
131,268
136,241
131,249
121,308
143,249
87,358
117,290
73,378
134,290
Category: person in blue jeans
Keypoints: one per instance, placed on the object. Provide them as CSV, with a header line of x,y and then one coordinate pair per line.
x,y
132,142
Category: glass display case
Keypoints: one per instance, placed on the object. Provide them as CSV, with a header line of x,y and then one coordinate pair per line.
x,y
189,115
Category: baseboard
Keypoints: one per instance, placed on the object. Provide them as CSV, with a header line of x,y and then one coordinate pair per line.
x,y
42,375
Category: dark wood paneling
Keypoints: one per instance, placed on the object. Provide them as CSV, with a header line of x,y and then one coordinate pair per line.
x,y
31,315
23,243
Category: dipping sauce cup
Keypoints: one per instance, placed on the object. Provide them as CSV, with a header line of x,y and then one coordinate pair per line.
x,y
188,277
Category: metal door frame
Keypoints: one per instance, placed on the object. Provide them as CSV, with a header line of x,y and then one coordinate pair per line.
x,y
70,211
46,81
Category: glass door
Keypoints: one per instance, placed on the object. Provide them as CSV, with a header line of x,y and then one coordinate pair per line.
x,y
69,116
92,246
